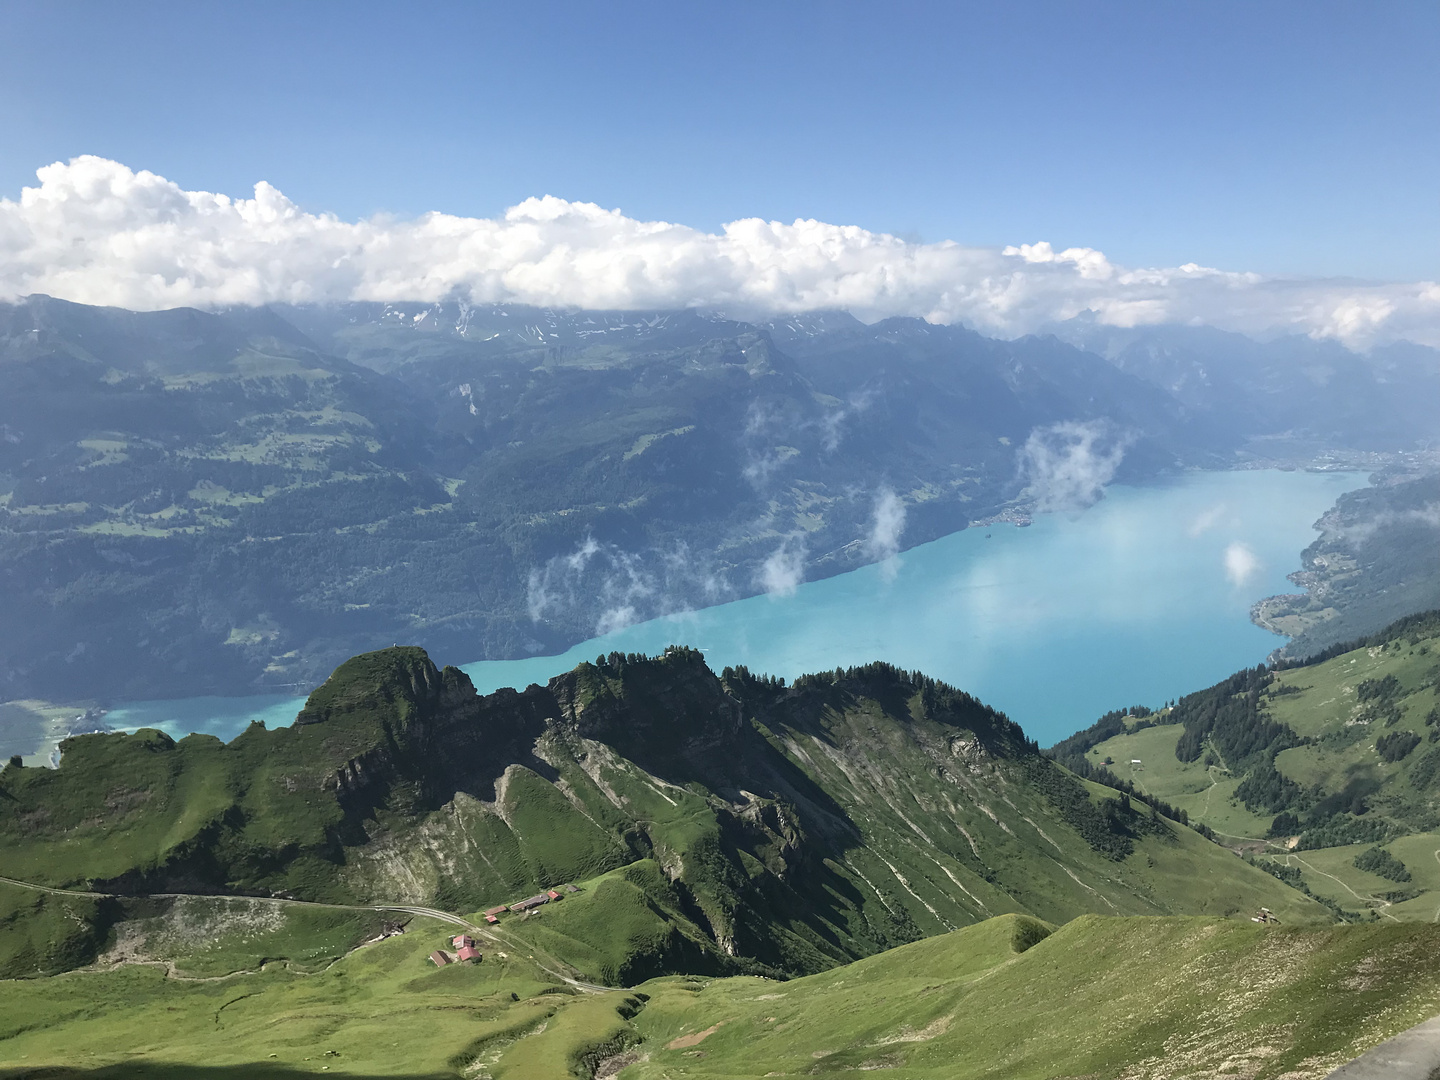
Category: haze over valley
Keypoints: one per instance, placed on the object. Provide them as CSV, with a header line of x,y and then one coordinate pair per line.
x,y
233,502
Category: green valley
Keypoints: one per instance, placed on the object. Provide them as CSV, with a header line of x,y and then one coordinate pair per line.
x,y
1307,768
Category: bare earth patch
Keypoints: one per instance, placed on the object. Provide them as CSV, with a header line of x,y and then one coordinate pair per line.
x,y
693,1040
935,1028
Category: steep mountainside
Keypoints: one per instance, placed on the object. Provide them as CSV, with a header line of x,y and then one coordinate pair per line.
x,y
235,501
773,828
1377,559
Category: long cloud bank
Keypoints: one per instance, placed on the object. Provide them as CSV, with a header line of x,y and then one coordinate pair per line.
x,y
96,232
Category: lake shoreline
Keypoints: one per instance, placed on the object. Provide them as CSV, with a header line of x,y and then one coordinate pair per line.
x,y
1091,599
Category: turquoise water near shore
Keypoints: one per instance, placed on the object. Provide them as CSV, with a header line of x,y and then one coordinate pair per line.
x,y
1141,598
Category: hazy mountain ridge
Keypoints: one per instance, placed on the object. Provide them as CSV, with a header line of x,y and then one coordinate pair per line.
x,y
1286,396
1377,558
235,501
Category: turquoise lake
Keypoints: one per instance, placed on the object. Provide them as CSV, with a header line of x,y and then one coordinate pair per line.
x,y
1141,598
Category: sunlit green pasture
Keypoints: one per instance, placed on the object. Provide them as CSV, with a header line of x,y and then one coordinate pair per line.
x,y
1204,789
1099,997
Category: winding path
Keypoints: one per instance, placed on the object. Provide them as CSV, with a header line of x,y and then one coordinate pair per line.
x,y
1368,900
1411,1055
494,937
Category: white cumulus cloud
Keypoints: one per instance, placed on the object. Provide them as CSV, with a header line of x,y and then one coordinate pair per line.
x,y
887,526
1067,465
1241,564
617,588
783,571
97,232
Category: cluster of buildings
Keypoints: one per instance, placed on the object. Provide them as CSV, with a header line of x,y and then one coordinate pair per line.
x,y
464,944
492,915
465,952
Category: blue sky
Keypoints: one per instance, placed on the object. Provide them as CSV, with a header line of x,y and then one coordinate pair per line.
x,y
1281,137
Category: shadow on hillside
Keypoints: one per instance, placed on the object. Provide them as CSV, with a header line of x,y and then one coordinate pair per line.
x,y
149,1070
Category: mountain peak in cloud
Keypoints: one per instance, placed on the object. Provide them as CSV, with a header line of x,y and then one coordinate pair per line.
x,y
98,232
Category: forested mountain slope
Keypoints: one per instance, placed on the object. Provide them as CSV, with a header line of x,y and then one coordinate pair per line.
x,y
773,828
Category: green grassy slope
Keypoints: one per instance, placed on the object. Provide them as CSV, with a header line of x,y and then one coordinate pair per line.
x,y
1013,997
1204,788
620,929
1307,766
44,933
1099,997
381,1010
963,832
767,828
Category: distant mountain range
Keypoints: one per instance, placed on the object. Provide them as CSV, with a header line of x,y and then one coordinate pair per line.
x,y
234,501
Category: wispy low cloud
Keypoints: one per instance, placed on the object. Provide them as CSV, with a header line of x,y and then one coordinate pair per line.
x,y
617,588
1241,564
784,570
1066,466
833,423
1361,532
764,426
887,526
1206,520
97,232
